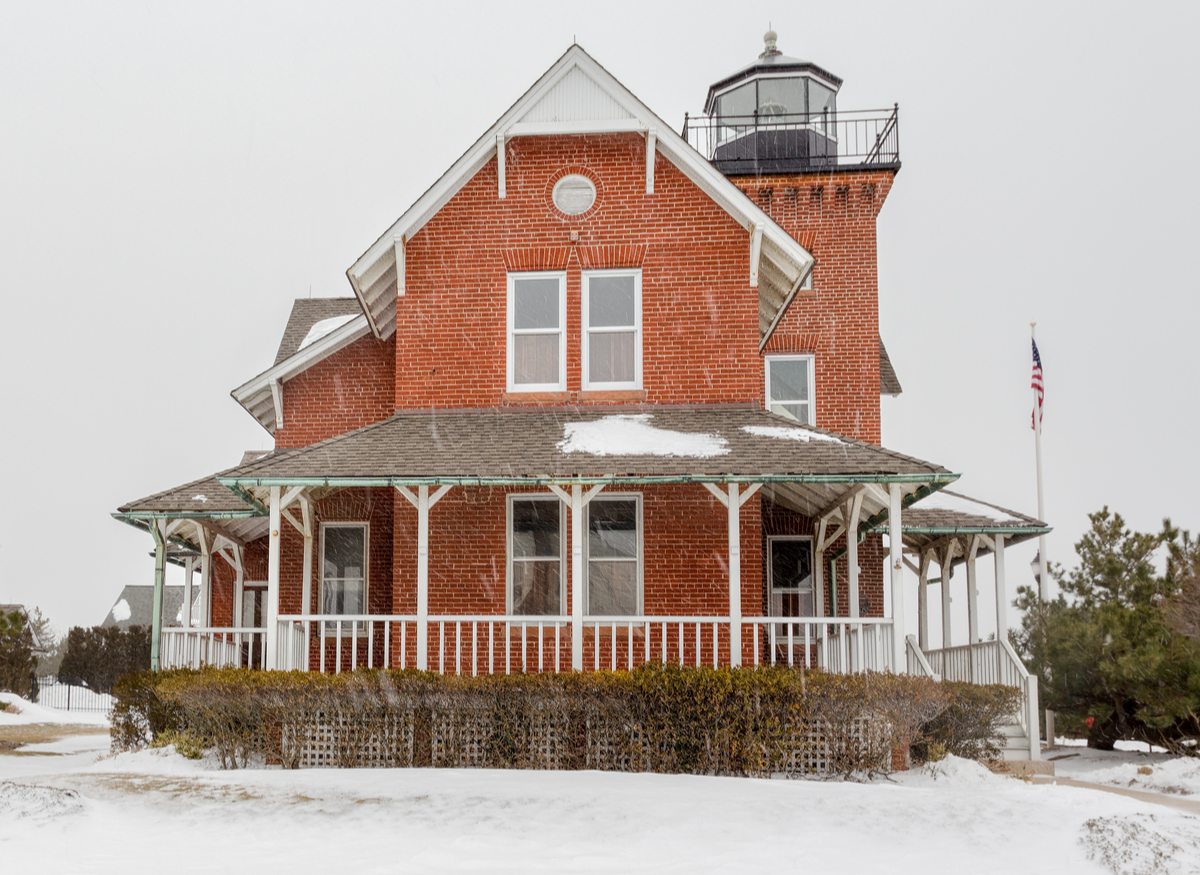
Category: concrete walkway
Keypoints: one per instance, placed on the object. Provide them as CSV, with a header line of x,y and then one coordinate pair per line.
x,y
1141,795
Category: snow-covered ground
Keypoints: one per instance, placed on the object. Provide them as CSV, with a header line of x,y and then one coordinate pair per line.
x,y
67,807
1133,766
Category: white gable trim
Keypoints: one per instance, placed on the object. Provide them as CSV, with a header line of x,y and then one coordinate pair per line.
x,y
261,395
609,107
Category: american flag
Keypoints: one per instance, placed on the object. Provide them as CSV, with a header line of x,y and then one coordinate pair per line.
x,y
1037,384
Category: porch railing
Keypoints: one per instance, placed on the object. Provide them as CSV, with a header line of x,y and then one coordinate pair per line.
x,y
493,644
219,647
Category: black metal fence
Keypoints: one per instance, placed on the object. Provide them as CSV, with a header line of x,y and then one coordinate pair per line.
x,y
762,143
71,697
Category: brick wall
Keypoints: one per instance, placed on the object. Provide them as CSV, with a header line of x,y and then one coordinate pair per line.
x,y
838,321
351,388
700,316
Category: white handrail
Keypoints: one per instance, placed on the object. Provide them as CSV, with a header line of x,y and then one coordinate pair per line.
x,y
917,660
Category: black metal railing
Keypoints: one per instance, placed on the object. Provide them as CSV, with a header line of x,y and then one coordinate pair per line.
x,y
762,143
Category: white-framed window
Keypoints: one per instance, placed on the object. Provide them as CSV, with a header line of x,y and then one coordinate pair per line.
x,y
790,576
537,336
790,386
614,555
536,576
344,568
612,329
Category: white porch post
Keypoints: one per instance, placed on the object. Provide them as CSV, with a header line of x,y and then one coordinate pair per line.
x,y
1001,596
423,577
853,508
735,576
306,518
239,586
185,613
158,530
972,593
577,577
423,501
946,561
819,580
206,545
271,657
896,557
923,604
733,501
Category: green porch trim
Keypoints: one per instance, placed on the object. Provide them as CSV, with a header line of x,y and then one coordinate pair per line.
x,y
941,479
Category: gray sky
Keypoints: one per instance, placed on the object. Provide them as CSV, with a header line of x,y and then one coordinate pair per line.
x,y
170,179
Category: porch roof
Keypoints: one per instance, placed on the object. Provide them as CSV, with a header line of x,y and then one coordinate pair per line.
x,y
935,521
808,469
203,504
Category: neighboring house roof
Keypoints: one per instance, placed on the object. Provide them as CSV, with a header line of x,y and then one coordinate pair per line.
x,y
135,607
310,313
808,468
576,96
889,383
20,609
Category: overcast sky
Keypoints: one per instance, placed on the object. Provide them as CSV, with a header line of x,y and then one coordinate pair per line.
x,y
171,179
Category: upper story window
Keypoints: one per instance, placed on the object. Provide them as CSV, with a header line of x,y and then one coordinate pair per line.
x,y
790,386
612,329
537,339
344,568
535,574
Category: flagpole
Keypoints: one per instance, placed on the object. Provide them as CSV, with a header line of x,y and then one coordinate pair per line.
x,y
1044,578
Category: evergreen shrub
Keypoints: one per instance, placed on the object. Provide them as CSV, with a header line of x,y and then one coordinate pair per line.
x,y
667,719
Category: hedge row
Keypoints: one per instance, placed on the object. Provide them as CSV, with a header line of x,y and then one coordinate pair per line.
x,y
749,721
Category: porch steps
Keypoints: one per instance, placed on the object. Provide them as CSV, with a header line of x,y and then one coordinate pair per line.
x,y
1015,747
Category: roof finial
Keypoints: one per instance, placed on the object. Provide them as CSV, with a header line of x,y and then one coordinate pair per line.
x,y
769,38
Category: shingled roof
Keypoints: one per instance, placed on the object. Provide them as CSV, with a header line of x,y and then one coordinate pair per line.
x,y
947,514
203,497
632,443
307,312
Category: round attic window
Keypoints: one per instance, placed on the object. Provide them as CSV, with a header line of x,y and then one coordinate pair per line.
x,y
574,194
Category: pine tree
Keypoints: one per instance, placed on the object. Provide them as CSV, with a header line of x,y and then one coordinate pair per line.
x,y
1111,660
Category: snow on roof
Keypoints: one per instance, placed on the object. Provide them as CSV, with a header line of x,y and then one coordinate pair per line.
x,y
633,435
323,328
789,434
943,500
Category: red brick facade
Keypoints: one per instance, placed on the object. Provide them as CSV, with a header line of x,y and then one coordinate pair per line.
x,y
699,313
351,388
838,321
700,323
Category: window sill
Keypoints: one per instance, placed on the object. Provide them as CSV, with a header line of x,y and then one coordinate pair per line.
x,y
611,395
535,398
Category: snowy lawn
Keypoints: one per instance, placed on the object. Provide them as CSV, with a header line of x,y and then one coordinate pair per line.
x,y
72,813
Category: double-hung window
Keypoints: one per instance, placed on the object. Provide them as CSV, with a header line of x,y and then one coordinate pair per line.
x,y
612,329
535,531
790,386
344,568
614,566
537,337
